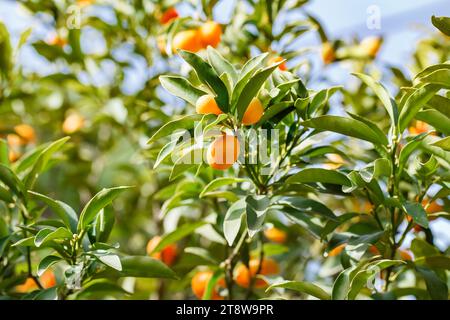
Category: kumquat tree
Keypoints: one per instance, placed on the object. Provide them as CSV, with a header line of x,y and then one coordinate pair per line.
x,y
222,150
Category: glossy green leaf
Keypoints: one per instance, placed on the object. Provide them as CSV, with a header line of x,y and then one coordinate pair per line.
x,y
97,203
181,88
63,210
183,123
178,234
417,212
220,182
346,126
416,101
221,65
303,287
232,221
251,89
207,75
46,235
382,94
41,163
442,23
46,263
319,175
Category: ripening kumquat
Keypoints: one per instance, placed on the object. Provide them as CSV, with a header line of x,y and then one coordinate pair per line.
x,y
199,283
168,254
47,280
254,112
168,15
244,275
188,40
210,34
277,59
223,152
207,105
275,235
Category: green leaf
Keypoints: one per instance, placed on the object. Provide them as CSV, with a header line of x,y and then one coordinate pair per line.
x,y
47,294
140,267
183,123
207,75
303,287
443,143
346,126
233,220
256,208
321,98
202,253
97,203
362,277
308,206
220,64
437,288
42,161
5,195
408,149
11,180
104,224
440,104
110,260
46,235
439,121
6,62
442,23
314,175
416,101
251,65
304,220
4,153
178,234
181,88
220,182
251,89
373,126
417,212
63,210
382,94
46,263
211,284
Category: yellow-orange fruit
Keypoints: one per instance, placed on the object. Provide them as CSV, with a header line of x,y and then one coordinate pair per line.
x,y
57,41
336,250
15,140
253,113
277,59
210,33
374,250
13,156
404,255
223,152
419,127
47,280
275,235
371,45
188,40
85,2
243,275
26,132
168,254
328,55
168,15
432,207
207,105
199,283
73,123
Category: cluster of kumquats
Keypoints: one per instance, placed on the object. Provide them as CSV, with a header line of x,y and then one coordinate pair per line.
x,y
23,135
243,275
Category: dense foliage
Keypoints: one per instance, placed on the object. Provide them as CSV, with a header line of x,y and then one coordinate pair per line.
x,y
232,171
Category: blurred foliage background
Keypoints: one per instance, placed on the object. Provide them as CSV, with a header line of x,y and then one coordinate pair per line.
x,y
89,69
